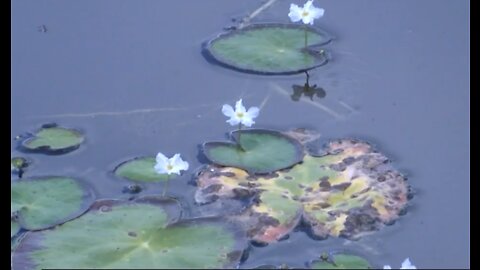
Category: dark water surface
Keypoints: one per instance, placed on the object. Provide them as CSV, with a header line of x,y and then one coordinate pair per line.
x,y
130,74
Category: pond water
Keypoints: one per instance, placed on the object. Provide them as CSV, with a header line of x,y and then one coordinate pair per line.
x,y
131,75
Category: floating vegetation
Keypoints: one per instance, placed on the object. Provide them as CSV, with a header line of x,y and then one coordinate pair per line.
x,y
147,233
18,165
15,228
348,191
340,261
269,49
40,203
140,169
258,151
52,139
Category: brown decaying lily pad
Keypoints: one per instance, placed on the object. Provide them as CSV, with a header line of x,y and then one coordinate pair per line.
x,y
347,192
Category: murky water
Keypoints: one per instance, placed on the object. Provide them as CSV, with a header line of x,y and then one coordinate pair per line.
x,y
130,74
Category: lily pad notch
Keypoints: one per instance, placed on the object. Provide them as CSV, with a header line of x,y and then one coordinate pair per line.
x,y
52,139
262,151
269,49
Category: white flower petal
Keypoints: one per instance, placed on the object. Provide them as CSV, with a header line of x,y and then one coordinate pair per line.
x,y
253,112
233,121
178,163
248,122
161,168
308,5
227,110
295,13
307,19
406,264
161,159
387,267
317,12
239,107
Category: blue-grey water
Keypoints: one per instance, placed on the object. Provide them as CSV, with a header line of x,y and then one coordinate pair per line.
x,y
130,74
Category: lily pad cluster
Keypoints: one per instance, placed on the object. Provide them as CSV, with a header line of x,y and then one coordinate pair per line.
x,y
329,261
348,191
144,233
269,49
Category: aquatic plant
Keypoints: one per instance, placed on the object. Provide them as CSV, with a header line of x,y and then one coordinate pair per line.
x,y
307,14
339,261
140,169
240,115
269,49
52,139
347,192
43,202
143,233
406,264
257,151
170,166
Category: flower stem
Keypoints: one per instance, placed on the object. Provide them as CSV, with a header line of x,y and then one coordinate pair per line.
x,y
165,187
238,138
306,36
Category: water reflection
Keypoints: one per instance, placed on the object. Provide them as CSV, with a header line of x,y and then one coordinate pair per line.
x,y
307,90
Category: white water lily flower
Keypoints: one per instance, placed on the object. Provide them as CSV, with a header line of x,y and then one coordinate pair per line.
x,y
170,165
307,14
240,115
406,264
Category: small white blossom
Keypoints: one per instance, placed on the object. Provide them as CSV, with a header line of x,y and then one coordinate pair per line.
x,y
240,115
168,166
406,264
307,14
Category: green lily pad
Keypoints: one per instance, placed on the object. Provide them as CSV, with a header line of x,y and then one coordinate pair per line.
x,y
262,151
40,203
269,49
347,192
341,261
143,233
15,228
52,139
140,170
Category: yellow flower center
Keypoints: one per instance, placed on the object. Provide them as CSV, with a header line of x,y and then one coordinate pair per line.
x,y
305,14
169,167
239,115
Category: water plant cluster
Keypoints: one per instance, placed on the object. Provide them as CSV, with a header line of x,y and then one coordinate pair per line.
x,y
347,191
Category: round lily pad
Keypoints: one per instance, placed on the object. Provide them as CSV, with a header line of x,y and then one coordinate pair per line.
x,y
349,191
140,170
40,203
341,261
269,49
143,233
260,151
52,139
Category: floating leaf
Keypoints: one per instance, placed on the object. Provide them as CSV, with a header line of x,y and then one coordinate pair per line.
x,y
269,49
341,261
15,228
143,233
40,203
140,170
52,139
262,151
348,191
